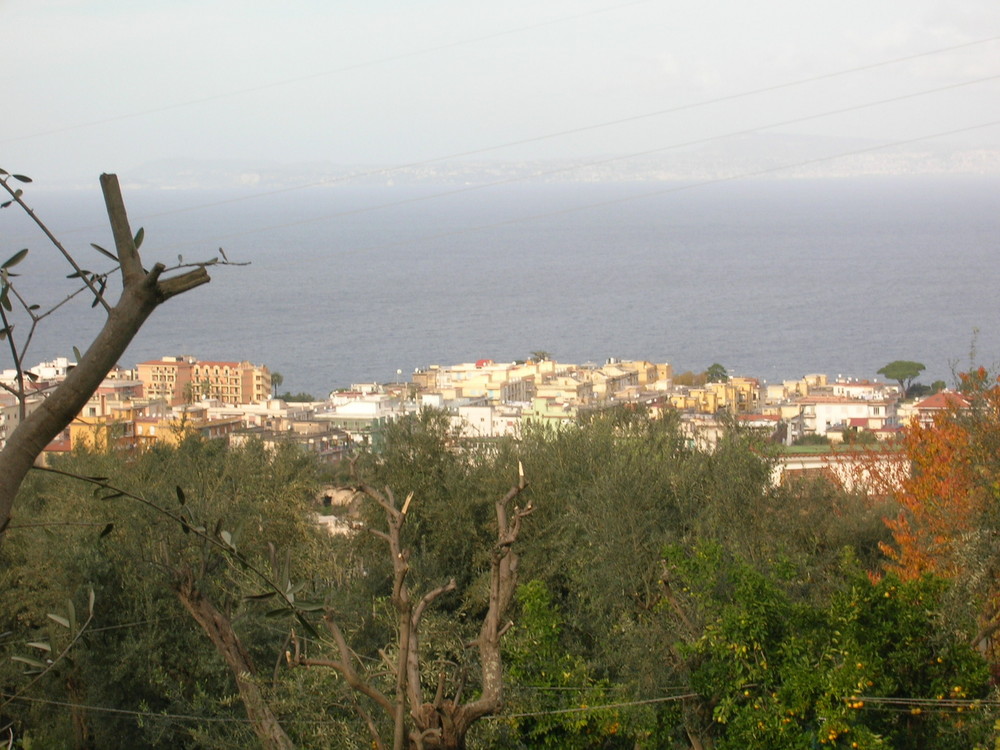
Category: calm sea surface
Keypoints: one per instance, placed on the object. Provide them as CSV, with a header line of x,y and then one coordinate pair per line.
x,y
346,284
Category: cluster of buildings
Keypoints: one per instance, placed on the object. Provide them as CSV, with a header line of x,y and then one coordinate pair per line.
x,y
490,399
164,400
161,401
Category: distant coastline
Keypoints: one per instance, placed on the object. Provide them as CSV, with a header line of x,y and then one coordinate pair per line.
x,y
749,156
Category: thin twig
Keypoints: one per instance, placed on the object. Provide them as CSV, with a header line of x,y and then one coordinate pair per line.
x,y
59,246
227,549
17,363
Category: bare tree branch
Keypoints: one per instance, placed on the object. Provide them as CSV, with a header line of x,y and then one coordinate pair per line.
x,y
346,667
441,723
141,294
429,597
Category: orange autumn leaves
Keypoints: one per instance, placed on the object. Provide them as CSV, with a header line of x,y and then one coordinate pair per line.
x,y
951,481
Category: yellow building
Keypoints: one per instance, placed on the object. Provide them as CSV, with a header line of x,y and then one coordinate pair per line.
x,y
231,382
168,378
102,433
566,388
172,430
551,411
109,418
699,400
648,372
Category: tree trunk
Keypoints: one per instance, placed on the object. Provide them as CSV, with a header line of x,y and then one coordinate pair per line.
x,y
442,727
82,739
219,629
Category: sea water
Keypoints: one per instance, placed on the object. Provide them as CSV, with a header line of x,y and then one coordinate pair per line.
x,y
770,278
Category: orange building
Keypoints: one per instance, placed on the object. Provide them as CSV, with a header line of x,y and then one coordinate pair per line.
x,y
167,378
184,380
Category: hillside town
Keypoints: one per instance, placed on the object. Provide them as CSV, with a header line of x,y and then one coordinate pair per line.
x,y
164,400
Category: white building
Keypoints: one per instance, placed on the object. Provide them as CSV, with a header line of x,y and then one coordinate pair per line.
x,y
477,421
820,413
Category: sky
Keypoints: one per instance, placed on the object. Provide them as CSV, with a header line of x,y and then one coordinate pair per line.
x,y
110,85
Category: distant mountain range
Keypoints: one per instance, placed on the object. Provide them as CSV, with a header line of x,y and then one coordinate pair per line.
x,y
773,156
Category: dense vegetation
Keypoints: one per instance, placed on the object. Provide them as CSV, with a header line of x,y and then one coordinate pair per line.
x,y
666,598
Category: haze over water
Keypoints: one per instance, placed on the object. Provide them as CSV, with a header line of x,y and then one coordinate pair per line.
x,y
774,279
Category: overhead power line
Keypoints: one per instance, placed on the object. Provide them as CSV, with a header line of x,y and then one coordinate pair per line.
x,y
323,74
589,709
647,152
584,128
123,711
907,704
684,187
242,720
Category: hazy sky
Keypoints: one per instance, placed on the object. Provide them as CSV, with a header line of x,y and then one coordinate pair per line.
x,y
104,85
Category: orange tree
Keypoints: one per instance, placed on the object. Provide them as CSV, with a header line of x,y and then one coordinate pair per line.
x,y
871,665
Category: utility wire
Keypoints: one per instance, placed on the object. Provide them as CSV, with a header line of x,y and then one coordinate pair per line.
x,y
588,709
123,711
584,165
588,164
325,73
242,720
926,702
584,207
680,108
902,704
557,134
648,152
574,131
122,626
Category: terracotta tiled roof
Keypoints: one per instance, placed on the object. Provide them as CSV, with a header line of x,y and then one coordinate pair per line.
x,y
943,400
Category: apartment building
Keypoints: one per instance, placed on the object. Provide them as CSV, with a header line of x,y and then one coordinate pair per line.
x,y
111,419
184,380
168,378
821,413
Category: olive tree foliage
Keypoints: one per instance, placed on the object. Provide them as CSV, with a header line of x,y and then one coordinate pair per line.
x,y
439,549
168,568
656,596
142,291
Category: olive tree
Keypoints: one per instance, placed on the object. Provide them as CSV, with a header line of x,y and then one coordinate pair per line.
x,y
421,699
142,291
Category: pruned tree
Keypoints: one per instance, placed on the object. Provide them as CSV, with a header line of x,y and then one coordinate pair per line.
x,y
421,721
142,291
